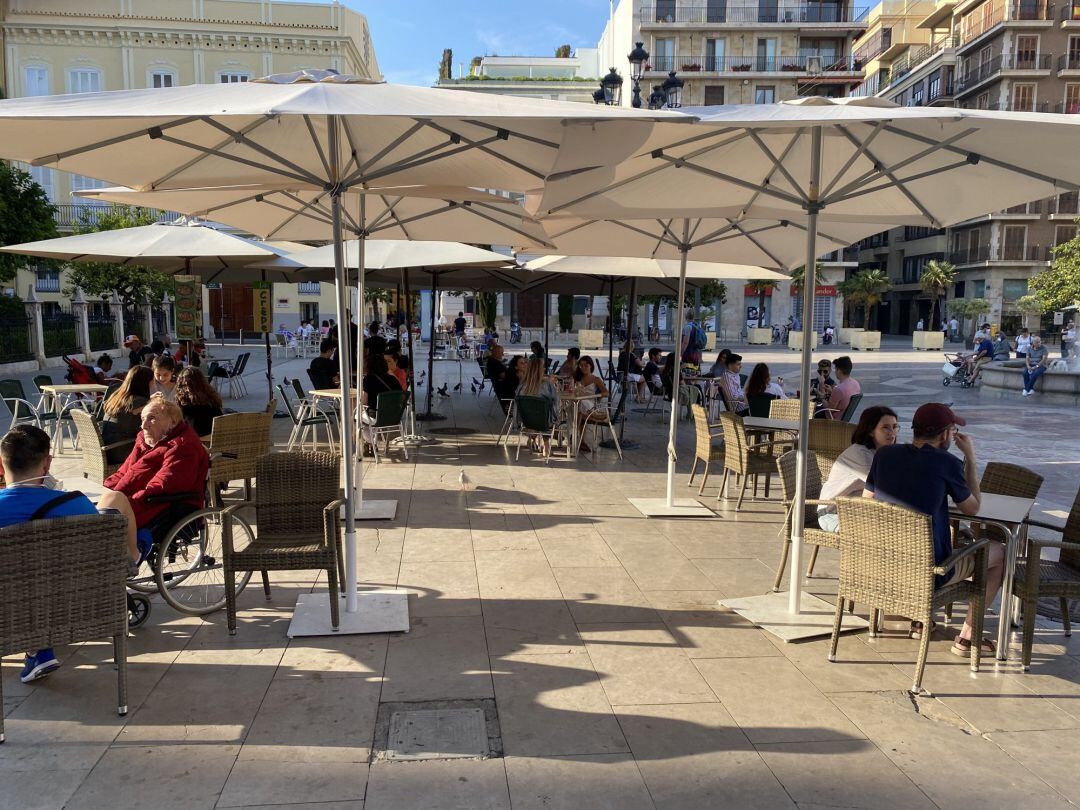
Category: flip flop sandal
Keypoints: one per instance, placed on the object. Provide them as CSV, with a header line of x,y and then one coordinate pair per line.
x,y
962,647
917,629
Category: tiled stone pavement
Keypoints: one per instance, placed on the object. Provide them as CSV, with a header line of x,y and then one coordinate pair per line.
x,y
619,681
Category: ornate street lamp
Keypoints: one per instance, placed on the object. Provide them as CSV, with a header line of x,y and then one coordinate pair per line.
x,y
657,98
673,90
611,85
638,58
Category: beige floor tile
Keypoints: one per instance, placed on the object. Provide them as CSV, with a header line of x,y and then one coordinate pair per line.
x,y
515,575
1050,755
325,657
440,658
684,600
656,565
941,754
846,773
857,667
597,595
716,633
41,790
695,756
773,702
729,543
437,545
255,782
133,776
356,805
587,550
553,705
505,539
441,588
460,784
606,782
642,664
530,627
738,576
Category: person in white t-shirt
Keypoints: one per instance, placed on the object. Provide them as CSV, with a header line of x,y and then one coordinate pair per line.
x,y
1022,344
878,426
1068,339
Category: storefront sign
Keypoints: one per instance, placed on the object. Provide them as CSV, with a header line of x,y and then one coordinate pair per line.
x,y
260,302
188,307
820,291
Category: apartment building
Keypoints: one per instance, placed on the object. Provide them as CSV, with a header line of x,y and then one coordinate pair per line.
x,y
984,54
80,46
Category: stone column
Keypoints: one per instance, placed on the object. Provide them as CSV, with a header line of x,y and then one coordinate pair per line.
x,y
117,308
37,332
148,322
166,305
82,324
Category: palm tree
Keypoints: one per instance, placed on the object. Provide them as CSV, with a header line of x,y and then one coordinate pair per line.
x,y
853,296
761,288
936,278
872,283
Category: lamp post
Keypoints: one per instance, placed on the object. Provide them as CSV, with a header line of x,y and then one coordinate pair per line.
x,y
610,92
657,98
637,57
672,87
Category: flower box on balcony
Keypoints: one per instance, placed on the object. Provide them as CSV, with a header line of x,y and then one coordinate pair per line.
x,y
692,66
790,68
741,68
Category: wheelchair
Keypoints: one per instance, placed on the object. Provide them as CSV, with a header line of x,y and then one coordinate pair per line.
x,y
185,559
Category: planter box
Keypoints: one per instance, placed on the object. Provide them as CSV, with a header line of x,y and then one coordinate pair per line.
x,y
844,333
795,340
866,341
710,341
928,341
762,336
590,338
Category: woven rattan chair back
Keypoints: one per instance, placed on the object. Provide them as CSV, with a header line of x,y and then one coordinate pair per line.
x,y
292,491
1002,478
784,409
702,438
243,435
788,465
96,465
886,556
736,447
1071,534
828,439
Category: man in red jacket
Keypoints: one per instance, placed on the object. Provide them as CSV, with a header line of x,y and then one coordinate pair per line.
x,y
168,458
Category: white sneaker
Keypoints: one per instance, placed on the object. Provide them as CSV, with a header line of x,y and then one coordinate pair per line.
x,y
1025,393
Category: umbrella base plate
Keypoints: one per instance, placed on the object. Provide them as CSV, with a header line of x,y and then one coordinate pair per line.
x,y
374,510
683,507
814,619
378,611
431,416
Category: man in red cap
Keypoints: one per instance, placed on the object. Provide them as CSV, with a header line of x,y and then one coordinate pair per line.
x,y
923,476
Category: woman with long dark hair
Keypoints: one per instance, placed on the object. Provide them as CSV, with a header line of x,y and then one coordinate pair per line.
x,y
198,400
122,412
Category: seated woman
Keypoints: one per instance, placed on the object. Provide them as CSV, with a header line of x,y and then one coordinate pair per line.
x,y
534,383
198,400
396,371
168,459
761,390
587,382
877,427
630,365
506,388
122,418
377,381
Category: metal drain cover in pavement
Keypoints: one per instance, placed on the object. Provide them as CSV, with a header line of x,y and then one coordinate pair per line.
x,y
451,431
437,734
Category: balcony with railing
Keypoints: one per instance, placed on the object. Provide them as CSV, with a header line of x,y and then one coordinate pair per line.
x,y
995,12
805,63
1067,204
913,232
308,288
874,45
914,57
1067,107
1068,61
1000,253
46,282
1070,14
1018,106
940,92
765,12
979,72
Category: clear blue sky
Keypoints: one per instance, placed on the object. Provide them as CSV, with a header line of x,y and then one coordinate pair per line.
x,y
410,35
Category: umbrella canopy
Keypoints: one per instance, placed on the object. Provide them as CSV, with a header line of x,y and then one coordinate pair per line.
x,y
453,213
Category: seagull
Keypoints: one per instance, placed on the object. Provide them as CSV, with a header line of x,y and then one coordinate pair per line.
x,y
463,479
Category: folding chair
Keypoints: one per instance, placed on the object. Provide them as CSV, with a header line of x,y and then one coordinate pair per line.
x,y
389,419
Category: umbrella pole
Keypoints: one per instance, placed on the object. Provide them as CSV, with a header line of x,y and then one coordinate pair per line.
x,y
684,250
625,377
547,308
611,324
809,285
269,358
361,242
431,345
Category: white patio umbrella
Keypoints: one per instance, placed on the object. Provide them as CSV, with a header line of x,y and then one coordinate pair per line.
x,y
820,163
319,130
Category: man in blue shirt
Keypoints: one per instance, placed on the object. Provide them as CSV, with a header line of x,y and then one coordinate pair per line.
x,y
984,353
924,476
31,494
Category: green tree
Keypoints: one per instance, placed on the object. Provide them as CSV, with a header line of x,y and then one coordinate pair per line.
x,y
936,279
853,296
964,308
1029,305
761,288
375,296
1059,287
562,52
566,312
133,284
486,305
872,283
446,64
26,215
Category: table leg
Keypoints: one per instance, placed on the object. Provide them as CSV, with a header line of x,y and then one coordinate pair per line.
x,y
574,440
1005,617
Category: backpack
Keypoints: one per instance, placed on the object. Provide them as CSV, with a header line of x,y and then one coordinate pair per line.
x,y
698,341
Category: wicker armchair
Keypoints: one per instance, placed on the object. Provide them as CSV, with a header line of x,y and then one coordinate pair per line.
x,y
1002,478
784,409
95,453
887,562
1037,578
237,441
787,467
744,459
45,603
827,440
297,499
704,449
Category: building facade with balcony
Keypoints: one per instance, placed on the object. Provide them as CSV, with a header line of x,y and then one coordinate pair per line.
x,y
740,52
76,46
992,54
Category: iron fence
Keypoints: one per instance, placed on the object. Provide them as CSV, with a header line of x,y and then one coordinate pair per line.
x,y
102,332
60,333
15,343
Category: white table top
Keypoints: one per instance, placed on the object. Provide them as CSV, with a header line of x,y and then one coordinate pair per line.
x,y
1001,508
765,423
85,388
334,393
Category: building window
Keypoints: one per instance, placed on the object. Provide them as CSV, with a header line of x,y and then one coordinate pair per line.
x,y
37,81
162,78
979,287
935,86
1023,98
1027,52
714,94
233,76
765,94
982,101
1064,233
663,58
1013,288
917,95
766,55
714,55
914,266
80,183
1015,242
1072,98
84,80
46,279
43,176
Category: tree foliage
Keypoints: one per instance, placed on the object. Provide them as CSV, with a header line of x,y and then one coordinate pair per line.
x,y
936,279
870,285
1059,287
562,52
133,284
26,215
972,308
761,288
446,64
486,306
566,313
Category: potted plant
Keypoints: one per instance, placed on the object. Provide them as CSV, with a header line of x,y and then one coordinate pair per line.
x,y
872,284
691,66
791,67
741,68
936,278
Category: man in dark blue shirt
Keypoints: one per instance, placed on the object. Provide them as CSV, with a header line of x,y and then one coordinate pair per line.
x,y
924,476
984,353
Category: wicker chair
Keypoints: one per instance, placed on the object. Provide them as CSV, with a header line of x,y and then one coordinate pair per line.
x,y
95,453
1002,478
1037,578
827,440
784,409
887,562
237,441
704,449
744,459
787,467
296,514
45,604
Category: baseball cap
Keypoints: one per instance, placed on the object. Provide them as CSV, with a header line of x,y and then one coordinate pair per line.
x,y
131,339
933,417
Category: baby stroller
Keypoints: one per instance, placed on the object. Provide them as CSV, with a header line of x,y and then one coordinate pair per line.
x,y
77,373
955,370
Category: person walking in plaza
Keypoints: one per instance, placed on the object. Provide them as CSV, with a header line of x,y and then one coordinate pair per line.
x,y
459,324
1035,364
693,341
924,476
954,327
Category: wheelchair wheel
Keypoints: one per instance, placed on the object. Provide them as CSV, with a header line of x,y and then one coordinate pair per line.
x,y
946,381
138,609
190,575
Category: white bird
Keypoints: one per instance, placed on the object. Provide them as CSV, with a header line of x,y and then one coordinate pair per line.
x,y
463,479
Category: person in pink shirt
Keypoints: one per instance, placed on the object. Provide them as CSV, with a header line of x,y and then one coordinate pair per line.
x,y
839,395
